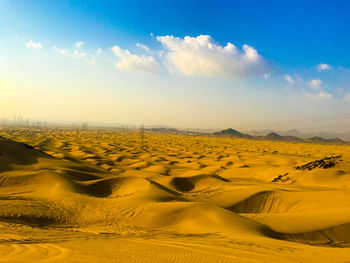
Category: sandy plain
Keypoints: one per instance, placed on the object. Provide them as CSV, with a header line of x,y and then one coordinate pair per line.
x,y
106,196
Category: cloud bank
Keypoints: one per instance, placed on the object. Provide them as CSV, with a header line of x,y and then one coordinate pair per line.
x,y
201,56
191,56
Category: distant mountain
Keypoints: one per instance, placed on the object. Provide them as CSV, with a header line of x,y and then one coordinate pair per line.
x,y
345,137
164,130
336,140
292,139
230,131
318,139
233,133
274,136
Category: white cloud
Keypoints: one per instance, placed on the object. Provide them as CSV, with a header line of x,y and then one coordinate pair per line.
x,y
316,93
130,61
321,95
289,78
77,51
202,56
79,54
346,98
35,45
79,44
144,47
322,66
315,84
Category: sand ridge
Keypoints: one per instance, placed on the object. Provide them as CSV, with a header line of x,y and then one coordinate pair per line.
x,y
201,199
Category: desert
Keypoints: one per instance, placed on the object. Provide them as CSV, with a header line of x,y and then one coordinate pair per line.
x,y
111,196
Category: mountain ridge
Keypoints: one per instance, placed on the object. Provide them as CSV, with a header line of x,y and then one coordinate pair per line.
x,y
274,136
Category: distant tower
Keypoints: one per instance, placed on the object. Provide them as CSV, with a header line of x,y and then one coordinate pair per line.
x,y
84,126
4,123
142,134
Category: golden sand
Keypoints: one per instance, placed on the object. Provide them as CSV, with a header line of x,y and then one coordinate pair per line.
x,y
104,196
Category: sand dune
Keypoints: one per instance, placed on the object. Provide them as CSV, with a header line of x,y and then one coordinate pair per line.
x,y
103,196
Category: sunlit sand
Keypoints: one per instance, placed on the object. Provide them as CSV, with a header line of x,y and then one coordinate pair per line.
x,y
107,196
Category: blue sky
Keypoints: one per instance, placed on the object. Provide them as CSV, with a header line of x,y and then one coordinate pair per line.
x,y
207,64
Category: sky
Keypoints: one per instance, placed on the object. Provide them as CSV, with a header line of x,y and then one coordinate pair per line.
x,y
185,64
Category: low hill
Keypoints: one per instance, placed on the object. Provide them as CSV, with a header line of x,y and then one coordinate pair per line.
x,y
274,137
317,139
233,133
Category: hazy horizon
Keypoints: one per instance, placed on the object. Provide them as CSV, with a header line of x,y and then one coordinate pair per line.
x,y
19,121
